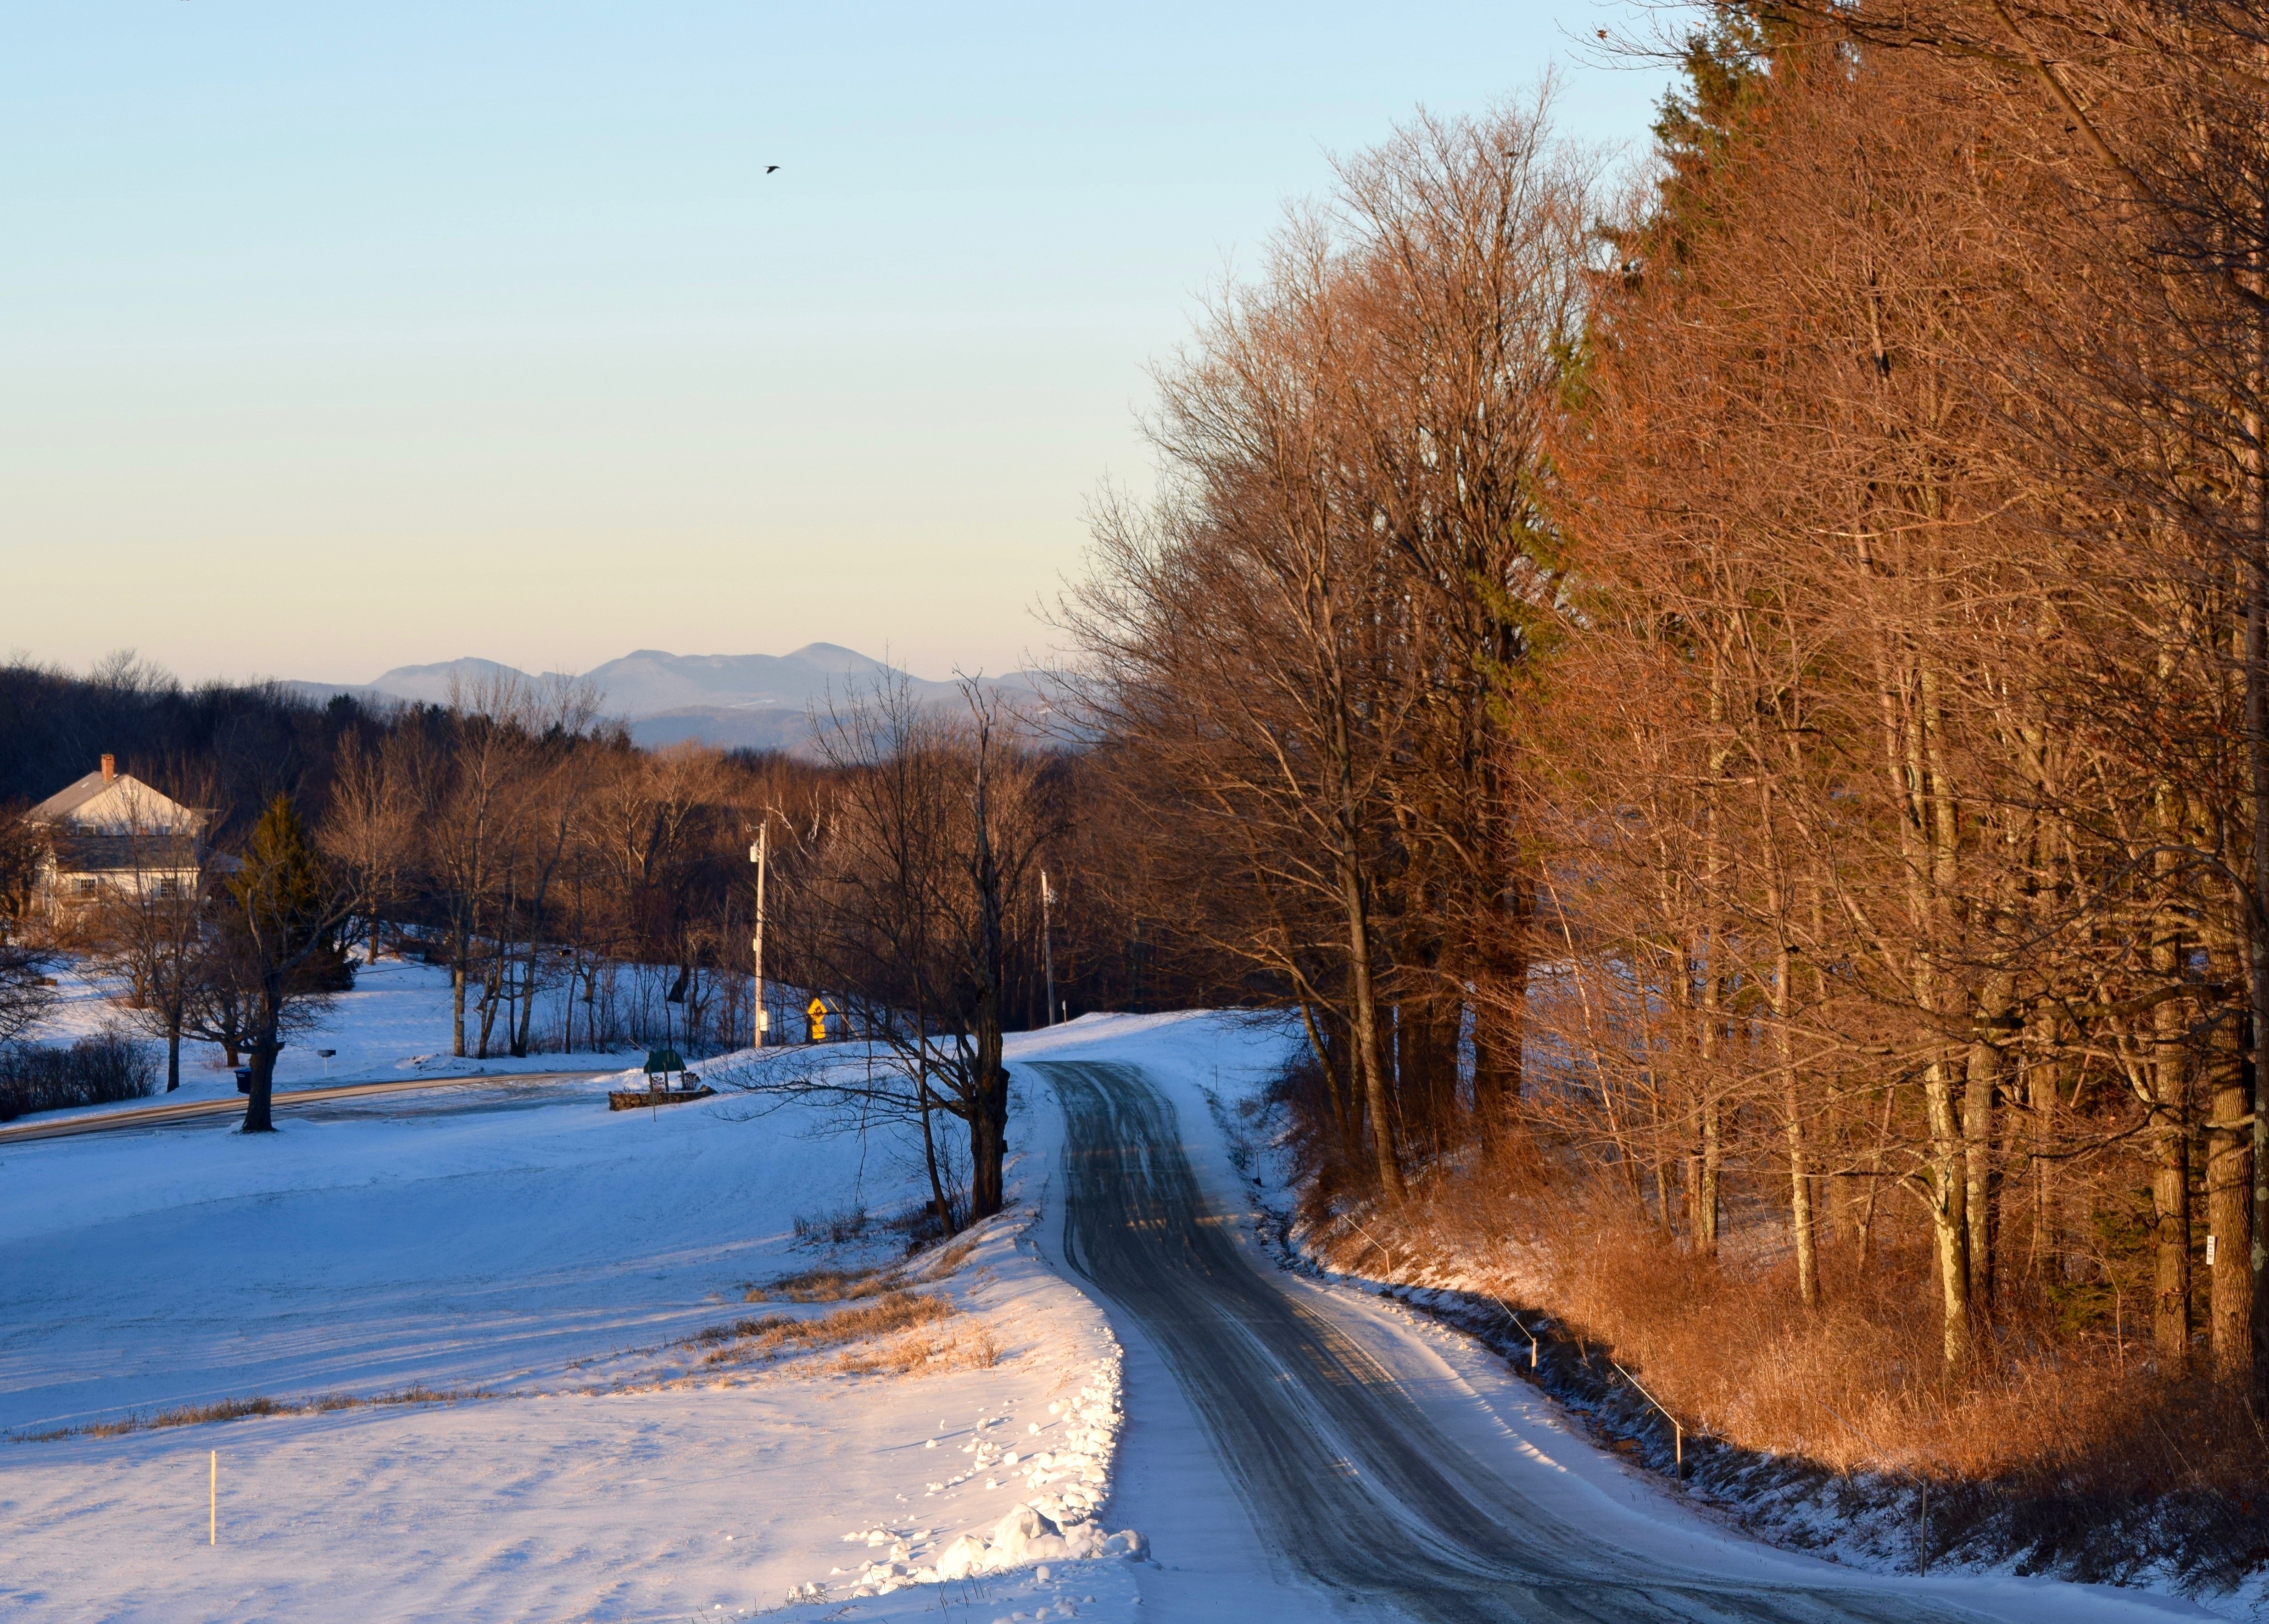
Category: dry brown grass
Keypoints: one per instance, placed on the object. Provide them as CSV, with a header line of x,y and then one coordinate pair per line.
x,y
970,1348
881,1306
825,1286
838,1285
747,1340
1857,1383
949,1259
238,1409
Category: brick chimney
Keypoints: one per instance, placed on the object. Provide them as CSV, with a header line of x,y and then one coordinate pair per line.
x,y
109,766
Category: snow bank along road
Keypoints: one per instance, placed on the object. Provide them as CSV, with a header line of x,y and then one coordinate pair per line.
x,y
1354,1486
233,1105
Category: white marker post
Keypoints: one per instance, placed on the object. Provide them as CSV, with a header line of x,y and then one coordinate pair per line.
x,y
1677,1430
213,1503
1534,1351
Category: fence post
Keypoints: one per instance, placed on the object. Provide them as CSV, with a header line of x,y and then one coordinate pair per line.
x,y
1517,1325
1677,1428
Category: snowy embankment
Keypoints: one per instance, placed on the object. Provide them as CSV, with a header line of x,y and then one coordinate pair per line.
x,y
537,1360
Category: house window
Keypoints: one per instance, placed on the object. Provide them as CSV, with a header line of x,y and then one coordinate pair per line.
x,y
85,886
168,887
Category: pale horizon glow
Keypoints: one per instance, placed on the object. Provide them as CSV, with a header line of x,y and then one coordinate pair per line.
x,y
345,339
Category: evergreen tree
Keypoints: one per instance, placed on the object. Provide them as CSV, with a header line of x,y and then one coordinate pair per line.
x,y
289,907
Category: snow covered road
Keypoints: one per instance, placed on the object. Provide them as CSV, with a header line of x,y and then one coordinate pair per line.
x,y
1356,1488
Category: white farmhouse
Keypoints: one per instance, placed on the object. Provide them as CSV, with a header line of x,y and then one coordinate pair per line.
x,y
112,832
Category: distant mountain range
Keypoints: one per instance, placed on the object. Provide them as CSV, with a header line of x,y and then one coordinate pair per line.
x,y
732,701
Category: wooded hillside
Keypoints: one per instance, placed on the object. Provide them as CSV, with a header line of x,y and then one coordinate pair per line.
x,y
1739,714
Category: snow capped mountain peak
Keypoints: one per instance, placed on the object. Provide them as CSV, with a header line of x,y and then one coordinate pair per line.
x,y
761,701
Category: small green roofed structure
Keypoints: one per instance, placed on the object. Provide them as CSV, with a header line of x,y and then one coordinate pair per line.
x,y
661,1066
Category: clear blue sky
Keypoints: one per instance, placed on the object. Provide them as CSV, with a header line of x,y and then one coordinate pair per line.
x,y
339,338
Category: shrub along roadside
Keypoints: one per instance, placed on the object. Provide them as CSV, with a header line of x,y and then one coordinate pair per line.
x,y
1831,1428
1819,1430
2087,1526
93,1070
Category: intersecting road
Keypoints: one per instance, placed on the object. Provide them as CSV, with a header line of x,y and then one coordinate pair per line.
x,y
233,1105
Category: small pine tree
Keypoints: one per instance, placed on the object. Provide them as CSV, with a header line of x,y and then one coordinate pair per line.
x,y
289,907
290,901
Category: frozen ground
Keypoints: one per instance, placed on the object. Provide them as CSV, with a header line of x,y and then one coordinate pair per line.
x,y
545,1259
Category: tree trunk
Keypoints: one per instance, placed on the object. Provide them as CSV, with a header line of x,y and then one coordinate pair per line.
x,y
988,1138
173,1052
1948,1204
261,1052
457,1003
493,985
2257,744
2170,1198
2229,1211
527,1004
1714,981
1365,1012
1801,1221
1709,1165
945,1214
2169,1071
2044,1097
1981,1079
1799,1206
1710,1153
988,1104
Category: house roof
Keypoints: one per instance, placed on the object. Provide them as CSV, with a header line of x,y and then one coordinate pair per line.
x,y
122,805
54,808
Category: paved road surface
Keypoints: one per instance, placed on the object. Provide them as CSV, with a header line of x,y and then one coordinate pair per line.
x,y
233,1105
1351,1485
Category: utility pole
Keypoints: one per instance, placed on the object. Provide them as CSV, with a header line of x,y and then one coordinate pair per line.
x,y
757,854
1047,947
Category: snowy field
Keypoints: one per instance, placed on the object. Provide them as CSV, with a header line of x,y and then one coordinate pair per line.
x,y
395,1024
540,1270
544,1261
